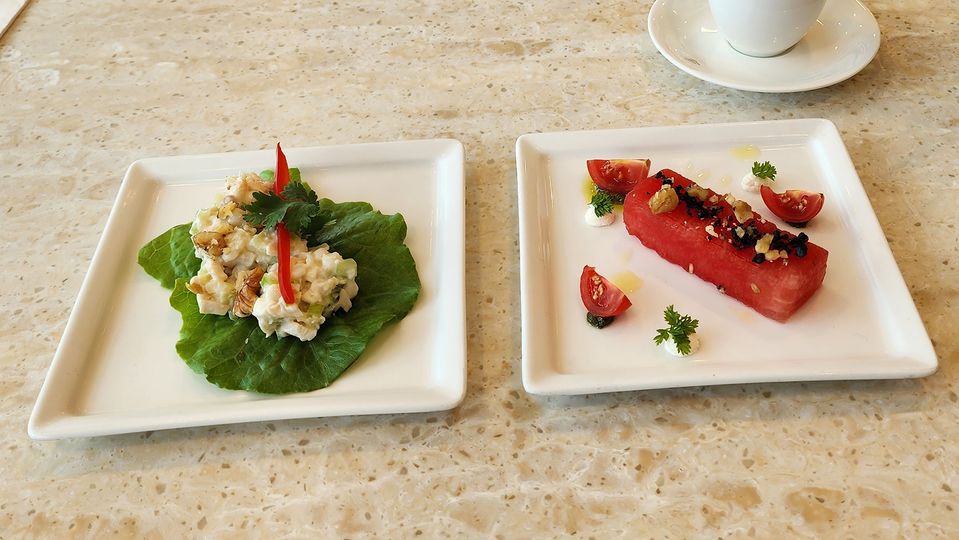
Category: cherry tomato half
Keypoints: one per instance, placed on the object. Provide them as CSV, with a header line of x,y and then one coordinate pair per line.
x,y
617,175
600,296
795,206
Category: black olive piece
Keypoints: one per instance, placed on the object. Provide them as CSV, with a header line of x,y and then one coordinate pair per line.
x,y
801,250
759,258
662,176
598,321
803,237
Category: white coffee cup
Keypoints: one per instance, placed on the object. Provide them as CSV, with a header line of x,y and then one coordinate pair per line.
x,y
764,27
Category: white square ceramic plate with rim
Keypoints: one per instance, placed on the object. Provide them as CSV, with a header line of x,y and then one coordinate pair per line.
x,y
862,323
116,369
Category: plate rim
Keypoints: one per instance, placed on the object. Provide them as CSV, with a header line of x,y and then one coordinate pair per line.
x,y
814,84
50,419
540,380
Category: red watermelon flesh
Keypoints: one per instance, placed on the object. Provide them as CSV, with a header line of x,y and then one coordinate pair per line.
x,y
728,258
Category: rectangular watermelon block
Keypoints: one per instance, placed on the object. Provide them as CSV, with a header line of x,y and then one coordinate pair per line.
x,y
726,243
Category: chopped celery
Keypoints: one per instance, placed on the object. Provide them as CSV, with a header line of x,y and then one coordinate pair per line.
x,y
346,269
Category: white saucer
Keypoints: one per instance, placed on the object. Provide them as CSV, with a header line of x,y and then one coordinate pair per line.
x,y
843,40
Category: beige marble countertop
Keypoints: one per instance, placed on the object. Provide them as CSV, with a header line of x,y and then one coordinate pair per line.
x,y
88,87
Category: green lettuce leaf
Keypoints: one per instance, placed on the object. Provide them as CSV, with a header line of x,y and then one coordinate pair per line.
x,y
235,354
170,257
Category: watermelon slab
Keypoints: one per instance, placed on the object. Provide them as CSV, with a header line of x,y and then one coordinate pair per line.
x,y
705,237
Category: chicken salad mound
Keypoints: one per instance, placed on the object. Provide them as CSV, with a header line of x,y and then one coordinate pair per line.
x,y
238,273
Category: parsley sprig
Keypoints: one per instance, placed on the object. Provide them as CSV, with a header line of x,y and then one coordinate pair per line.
x,y
764,170
603,202
679,330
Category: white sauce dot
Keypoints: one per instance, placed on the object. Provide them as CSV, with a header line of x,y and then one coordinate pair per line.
x,y
694,344
752,182
601,221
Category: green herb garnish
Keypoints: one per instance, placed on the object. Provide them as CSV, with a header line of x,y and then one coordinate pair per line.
x,y
764,170
296,209
602,204
603,201
680,328
598,321
618,198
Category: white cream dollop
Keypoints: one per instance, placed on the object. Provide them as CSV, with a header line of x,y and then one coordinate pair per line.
x,y
694,344
751,183
593,221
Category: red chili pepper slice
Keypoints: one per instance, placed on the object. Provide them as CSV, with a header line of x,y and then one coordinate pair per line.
x,y
283,258
282,172
282,235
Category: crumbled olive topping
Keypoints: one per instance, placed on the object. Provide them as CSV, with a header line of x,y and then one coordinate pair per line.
x,y
750,235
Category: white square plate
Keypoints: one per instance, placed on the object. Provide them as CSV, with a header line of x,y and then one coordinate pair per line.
x,y
116,369
862,323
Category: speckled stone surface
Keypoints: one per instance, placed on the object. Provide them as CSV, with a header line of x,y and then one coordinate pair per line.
x,y
88,87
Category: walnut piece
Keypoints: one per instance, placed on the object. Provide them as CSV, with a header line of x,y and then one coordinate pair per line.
x,y
664,200
742,210
698,192
762,246
247,291
210,241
